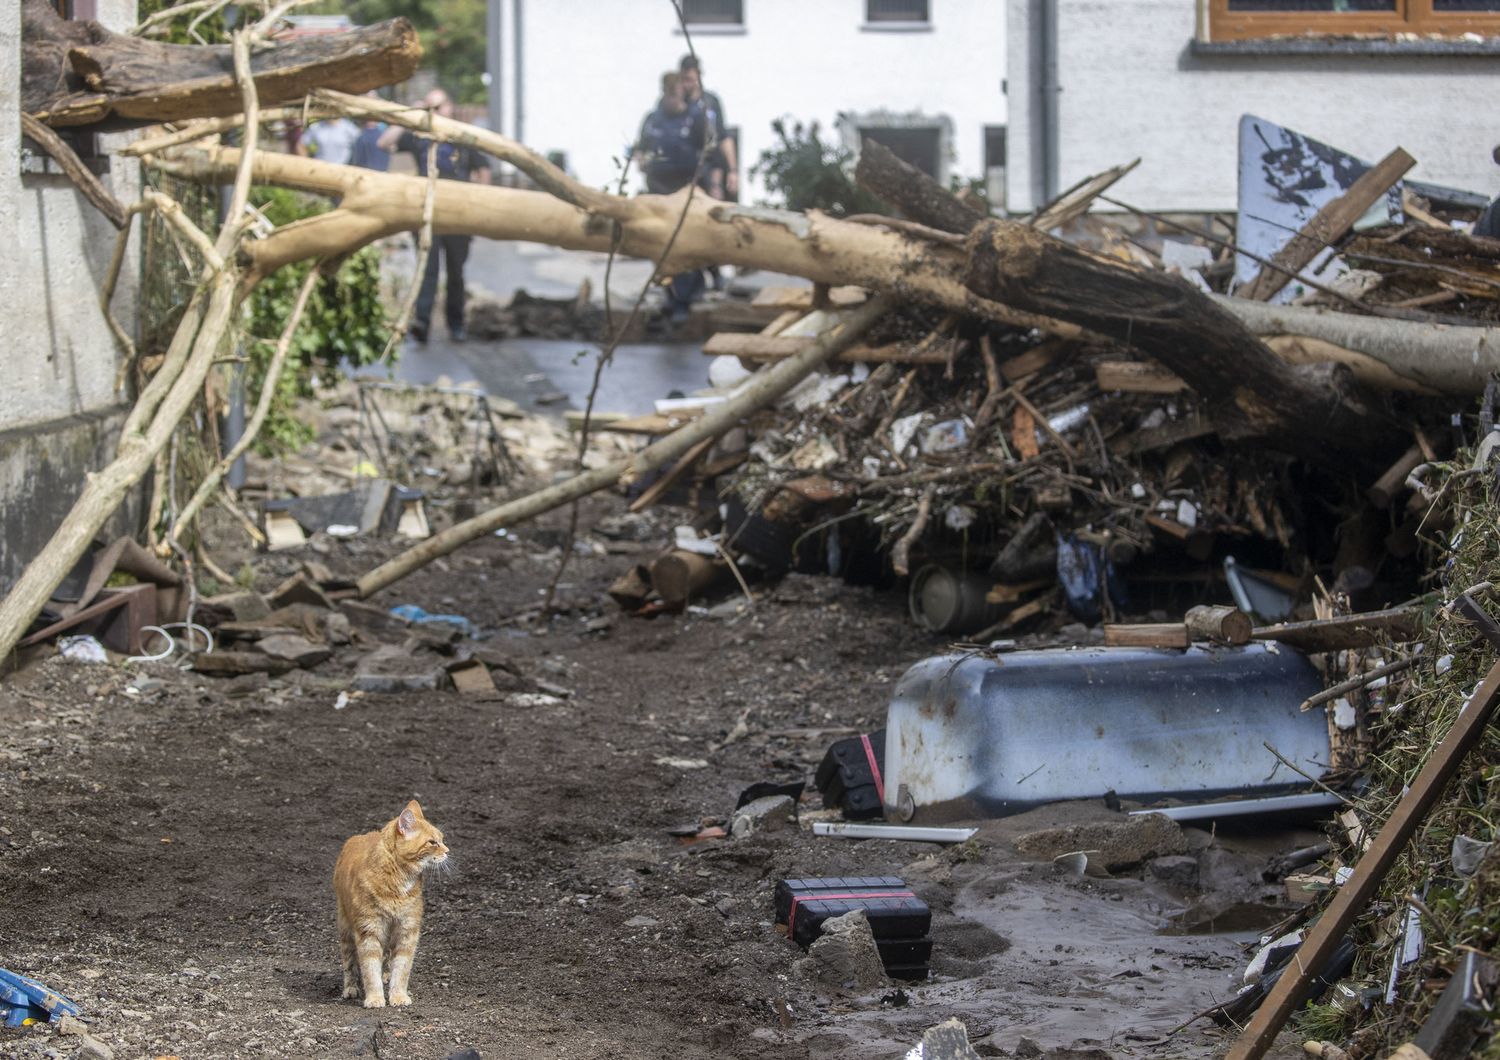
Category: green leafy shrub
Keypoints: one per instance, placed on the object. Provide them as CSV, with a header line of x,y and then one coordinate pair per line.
x,y
344,324
808,174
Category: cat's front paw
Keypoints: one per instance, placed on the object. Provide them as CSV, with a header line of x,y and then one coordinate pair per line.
x,y
401,998
350,993
374,1001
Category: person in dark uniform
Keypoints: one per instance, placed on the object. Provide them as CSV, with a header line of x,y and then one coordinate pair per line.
x,y
721,176
669,151
453,163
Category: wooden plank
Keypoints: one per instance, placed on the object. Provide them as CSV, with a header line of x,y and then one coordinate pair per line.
x,y
1028,363
743,316
1137,377
779,347
1346,631
673,475
1328,225
1291,989
1076,200
1169,434
617,423
802,297
1146,635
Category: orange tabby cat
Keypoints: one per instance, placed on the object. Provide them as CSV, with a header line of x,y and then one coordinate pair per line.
x,y
378,884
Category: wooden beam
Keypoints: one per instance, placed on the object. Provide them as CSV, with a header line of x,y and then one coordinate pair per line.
x,y
1346,631
1146,635
1327,226
673,475
1137,377
1291,989
780,347
779,297
80,73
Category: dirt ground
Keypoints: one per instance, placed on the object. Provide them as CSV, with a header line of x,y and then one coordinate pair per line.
x,y
167,840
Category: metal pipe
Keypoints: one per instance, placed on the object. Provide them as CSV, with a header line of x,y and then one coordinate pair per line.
x,y
1048,90
494,61
520,64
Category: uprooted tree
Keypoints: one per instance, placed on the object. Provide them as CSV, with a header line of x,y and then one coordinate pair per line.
x,y
1002,273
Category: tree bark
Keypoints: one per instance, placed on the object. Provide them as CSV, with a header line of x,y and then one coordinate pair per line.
x,y
1316,412
1442,357
79,73
814,246
914,193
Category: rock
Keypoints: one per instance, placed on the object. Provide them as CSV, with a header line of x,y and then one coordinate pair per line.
x,y
245,606
845,956
949,1040
297,650
1227,871
337,628
1028,1048
88,1045
300,589
642,922
770,813
1175,870
239,662
1115,844
1467,854
394,669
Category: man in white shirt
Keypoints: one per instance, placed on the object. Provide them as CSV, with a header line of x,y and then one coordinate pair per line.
x,y
330,141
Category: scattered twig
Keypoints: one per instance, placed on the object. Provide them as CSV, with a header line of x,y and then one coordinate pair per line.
x,y
1304,773
77,172
1335,691
901,553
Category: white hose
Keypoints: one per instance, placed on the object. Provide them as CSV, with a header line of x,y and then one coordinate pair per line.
x,y
171,641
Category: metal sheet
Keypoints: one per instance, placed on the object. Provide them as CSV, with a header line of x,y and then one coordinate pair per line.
x,y
968,735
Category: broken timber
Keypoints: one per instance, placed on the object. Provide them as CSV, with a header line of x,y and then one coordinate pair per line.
x,y
780,347
764,388
79,73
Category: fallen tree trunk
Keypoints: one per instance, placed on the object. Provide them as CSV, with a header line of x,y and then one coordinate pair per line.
x,y
79,73
760,391
814,246
1317,411
1442,357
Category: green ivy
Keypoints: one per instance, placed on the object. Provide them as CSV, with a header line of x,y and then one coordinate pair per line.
x,y
212,30
344,325
808,174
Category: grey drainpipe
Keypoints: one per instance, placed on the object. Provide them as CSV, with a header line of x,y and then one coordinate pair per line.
x,y
520,72
494,61
1048,89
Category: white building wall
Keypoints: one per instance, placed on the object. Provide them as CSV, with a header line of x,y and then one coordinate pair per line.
x,y
57,357
591,70
1131,86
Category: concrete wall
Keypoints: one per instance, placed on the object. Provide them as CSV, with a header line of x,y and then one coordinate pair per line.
x,y
590,71
57,357
1132,85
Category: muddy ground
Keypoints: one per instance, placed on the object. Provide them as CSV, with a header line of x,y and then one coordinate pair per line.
x,y
165,851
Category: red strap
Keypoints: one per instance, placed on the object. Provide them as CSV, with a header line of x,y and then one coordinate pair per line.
x,y
791,917
874,768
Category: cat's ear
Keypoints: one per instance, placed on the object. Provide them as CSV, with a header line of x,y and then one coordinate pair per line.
x,y
406,824
415,808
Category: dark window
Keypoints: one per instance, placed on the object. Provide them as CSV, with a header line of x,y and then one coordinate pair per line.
x,y
714,12
994,146
918,146
896,11
1248,19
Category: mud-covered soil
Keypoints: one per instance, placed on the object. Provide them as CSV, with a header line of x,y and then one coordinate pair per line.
x,y
166,848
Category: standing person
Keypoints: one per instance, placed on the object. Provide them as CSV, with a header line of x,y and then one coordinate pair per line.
x,y
668,151
453,163
721,177
367,153
329,141
671,140
723,163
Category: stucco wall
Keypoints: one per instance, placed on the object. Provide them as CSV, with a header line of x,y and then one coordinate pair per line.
x,y
591,71
58,413
57,357
1131,86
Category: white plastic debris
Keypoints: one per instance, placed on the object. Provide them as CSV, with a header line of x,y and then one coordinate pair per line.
x,y
1067,419
83,649
946,436
904,430
1187,513
342,530
725,371
1344,714
1443,665
342,701
959,517
687,539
